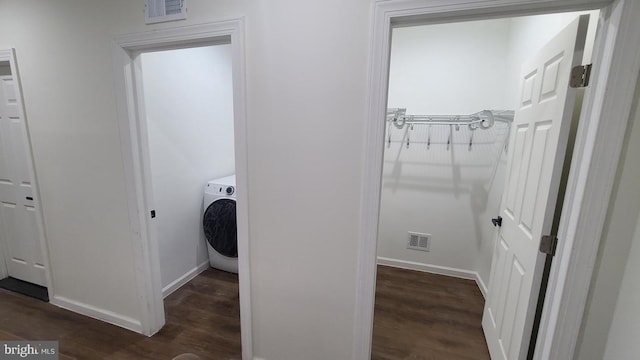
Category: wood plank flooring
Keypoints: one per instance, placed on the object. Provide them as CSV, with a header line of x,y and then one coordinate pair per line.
x,y
203,317
418,316
422,316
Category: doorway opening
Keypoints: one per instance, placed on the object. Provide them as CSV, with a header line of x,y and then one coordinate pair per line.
x,y
188,107
183,142
453,92
187,104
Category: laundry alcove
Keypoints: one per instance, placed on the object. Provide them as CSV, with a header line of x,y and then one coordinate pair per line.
x,y
188,103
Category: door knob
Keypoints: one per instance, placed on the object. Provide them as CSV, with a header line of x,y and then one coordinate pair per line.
x,y
497,221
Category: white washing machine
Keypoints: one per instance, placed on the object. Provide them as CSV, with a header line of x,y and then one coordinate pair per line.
x,y
219,223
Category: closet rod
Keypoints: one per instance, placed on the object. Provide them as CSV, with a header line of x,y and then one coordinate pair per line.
x,y
483,119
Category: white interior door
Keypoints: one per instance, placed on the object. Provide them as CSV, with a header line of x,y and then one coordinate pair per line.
x,y
19,233
538,142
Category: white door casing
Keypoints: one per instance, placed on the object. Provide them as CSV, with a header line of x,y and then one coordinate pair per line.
x,y
20,228
126,69
539,137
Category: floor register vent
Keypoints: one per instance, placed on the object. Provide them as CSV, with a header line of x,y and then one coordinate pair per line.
x,y
418,241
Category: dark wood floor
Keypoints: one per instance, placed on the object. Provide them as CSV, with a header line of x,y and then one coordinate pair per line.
x,y
422,316
203,317
418,316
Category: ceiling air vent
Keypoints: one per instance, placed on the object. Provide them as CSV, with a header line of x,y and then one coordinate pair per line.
x,y
165,10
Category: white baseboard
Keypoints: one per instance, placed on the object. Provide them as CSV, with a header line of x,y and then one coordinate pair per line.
x,y
97,313
176,284
483,287
435,269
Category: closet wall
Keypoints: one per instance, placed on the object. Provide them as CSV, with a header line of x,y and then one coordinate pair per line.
x,y
452,194
444,69
189,107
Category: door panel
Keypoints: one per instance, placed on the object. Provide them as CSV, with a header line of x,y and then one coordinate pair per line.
x,y
539,138
19,234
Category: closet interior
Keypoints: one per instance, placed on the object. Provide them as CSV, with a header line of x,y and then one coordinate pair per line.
x,y
452,92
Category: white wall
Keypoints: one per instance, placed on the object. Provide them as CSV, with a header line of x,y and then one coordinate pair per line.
x,y
306,90
623,337
434,68
615,251
188,97
64,59
438,191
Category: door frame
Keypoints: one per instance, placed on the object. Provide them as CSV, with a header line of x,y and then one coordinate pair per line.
x,y
10,56
616,60
126,49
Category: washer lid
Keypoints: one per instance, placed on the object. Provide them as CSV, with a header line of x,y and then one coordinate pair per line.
x,y
220,227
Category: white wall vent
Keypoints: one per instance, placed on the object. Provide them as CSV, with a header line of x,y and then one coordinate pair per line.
x,y
165,10
418,241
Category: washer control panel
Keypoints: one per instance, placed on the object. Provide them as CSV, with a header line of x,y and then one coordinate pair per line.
x,y
221,189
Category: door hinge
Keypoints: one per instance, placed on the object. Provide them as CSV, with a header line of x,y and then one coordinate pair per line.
x,y
580,76
548,244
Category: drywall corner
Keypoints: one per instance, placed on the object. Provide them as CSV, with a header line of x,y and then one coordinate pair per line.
x,y
178,283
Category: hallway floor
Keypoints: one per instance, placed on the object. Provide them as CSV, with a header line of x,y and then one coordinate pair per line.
x,y
202,317
418,316
422,316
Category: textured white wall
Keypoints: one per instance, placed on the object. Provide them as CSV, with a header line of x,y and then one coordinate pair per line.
x,y
189,106
438,191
